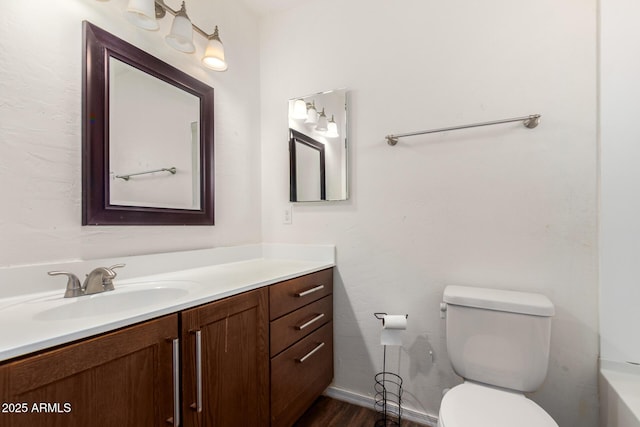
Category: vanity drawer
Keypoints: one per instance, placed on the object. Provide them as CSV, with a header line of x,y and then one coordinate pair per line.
x,y
292,294
299,375
297,325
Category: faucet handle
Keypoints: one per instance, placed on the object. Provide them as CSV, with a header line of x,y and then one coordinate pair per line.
x,y
74,288
116,266
108,281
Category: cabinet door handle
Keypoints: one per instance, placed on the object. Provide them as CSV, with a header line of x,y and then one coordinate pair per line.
x,y
309,291
308,355
176,382
310,322
198,405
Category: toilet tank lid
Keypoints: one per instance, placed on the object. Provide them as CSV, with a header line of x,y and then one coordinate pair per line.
x,y
499,300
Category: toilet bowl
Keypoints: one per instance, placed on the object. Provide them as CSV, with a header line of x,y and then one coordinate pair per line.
x,y
477,405
498,341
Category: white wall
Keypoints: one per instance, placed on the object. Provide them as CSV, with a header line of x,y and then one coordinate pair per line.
x,y
40,130
619,180
500,206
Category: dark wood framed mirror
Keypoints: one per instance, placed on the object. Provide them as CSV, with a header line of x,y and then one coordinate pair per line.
x,y
135,169
307,168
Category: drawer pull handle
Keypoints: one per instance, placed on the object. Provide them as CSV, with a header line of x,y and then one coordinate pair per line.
x,y
176,384
310,322
198,404
310,291
308,355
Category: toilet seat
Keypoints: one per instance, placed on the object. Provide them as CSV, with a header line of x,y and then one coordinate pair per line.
x,y
478,405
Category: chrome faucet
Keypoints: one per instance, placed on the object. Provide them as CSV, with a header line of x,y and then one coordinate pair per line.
x,y
99,280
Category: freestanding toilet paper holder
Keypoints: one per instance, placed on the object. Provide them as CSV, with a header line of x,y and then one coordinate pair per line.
x,y
388,391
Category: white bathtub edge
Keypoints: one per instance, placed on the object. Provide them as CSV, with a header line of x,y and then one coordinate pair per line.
x,y
619,385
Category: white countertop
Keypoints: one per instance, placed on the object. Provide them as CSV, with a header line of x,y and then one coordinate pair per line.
x,y
26,325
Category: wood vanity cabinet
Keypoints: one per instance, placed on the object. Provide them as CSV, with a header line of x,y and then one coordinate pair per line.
x,y
301,344
254,359
225,362
121,378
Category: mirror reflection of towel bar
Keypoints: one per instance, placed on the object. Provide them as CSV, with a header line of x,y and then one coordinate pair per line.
x,y
172,170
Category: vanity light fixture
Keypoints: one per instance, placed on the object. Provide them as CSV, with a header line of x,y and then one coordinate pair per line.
x,y
144,14
332,129
214,54
181,35
322,122
299,109
312,114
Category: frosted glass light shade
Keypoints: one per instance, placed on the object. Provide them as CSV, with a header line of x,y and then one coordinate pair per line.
x,y
214,54
312,115
299,109
322,122
181,35
142,13
332,129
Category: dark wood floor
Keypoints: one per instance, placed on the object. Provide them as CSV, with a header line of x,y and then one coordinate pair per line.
x,y
327,412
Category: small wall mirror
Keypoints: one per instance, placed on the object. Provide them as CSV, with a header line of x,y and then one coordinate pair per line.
x,y
147,138
318,147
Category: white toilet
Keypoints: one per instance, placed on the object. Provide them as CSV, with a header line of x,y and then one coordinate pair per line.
x,y
498,341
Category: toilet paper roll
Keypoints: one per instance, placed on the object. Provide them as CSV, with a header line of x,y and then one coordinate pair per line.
x,y
392,327
394,321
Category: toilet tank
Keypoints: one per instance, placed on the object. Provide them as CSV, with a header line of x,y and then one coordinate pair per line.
x,y
498,337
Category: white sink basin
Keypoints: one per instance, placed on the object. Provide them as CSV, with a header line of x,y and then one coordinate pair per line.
x,y
121,299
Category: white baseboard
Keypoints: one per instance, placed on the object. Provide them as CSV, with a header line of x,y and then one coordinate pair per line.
x,y
368,402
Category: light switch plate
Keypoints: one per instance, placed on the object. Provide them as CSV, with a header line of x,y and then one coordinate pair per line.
x,y
287,215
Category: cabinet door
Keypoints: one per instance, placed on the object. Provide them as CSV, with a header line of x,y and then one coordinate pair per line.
x,y
122,378
226,362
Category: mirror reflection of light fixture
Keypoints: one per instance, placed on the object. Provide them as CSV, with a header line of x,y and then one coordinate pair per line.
x,y
299,109
181,35
332,128
214,54
142,13
322,122
312,114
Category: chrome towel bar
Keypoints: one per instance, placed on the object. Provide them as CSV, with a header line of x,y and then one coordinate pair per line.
x,y
529,122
